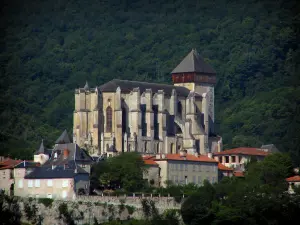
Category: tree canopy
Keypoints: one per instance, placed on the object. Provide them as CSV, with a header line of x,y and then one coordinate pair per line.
x,y
124,171
260,198
49,48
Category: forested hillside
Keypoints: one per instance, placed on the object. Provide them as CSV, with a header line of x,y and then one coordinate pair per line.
x,y
49,48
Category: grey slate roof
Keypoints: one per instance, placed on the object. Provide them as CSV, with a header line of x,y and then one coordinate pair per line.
x,y
27,164
63,138
43,150
86,86
57,172
193,62
76,154
127,86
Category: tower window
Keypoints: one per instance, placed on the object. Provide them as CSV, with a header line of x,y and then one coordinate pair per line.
x,y
108,119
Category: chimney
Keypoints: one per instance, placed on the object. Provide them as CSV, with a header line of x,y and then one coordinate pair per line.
x,y
66,153
209,155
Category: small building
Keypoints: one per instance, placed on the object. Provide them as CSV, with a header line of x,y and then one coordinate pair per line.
x,y
293,181
64,172
184,168
224,171
7,176
153,171
237,158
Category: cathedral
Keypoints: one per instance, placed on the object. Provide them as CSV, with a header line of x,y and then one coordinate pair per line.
x,y
150,118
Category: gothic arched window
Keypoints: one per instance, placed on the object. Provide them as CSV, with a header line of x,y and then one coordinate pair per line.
x,y
179,108
108,119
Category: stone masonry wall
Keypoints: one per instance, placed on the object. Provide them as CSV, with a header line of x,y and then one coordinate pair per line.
x,y
103,208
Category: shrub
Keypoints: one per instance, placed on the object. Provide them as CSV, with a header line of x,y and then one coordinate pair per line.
x,y
47,202
130,209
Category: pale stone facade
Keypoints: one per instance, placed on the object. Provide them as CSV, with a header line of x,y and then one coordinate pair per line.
x,y
149,118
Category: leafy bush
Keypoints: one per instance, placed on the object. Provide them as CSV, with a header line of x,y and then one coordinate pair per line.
x,y
47,202
130,209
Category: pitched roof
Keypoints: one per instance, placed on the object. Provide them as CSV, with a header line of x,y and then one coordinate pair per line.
x,y
193,62
127,86
86,86
178,157
63,138
222,167
57,172
238,174
293,179
243,151
149,160
27,164
9,164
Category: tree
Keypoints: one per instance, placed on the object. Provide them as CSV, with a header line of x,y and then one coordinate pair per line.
x,y
9,210
123,171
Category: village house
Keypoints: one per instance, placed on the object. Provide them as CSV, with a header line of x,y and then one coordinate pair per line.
x,y
238,157
62,174
182,168
293,182
6,175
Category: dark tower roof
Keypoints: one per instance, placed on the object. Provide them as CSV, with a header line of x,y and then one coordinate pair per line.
x,y
41,149
64,138
193,62
86,86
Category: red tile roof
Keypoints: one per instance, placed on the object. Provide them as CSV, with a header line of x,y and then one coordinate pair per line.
x,y
150,162
243,151
9,164
293,179
238,174
200,158
222,167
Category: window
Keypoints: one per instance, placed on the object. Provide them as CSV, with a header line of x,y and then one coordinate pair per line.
x,y
199,180
220,159
157,148
199,168
49,183
233,159
207,168
176,166
30,183
213,179
194,179
194,167
176,179
108,119
186,167
145,146
65,183
215,168
179,109
129,147
37,183
20,184
64,194
226,159
49,195
181,167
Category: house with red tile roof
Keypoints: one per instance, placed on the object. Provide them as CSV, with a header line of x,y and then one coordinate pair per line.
x,y
153,171
237,158
7,174
293,181
183,168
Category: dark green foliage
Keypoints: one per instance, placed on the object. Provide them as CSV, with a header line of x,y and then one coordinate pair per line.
x,y
10,213
31,210
125,171
260,198
47,202
65,214
130,209
48,48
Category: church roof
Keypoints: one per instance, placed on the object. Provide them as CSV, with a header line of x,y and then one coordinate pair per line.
x,y
63,138
127,86
41,150
193,62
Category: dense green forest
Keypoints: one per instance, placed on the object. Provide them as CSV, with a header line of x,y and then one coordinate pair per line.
x,y
49,48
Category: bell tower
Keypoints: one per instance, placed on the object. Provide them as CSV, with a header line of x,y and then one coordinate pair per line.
x,y
197,76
